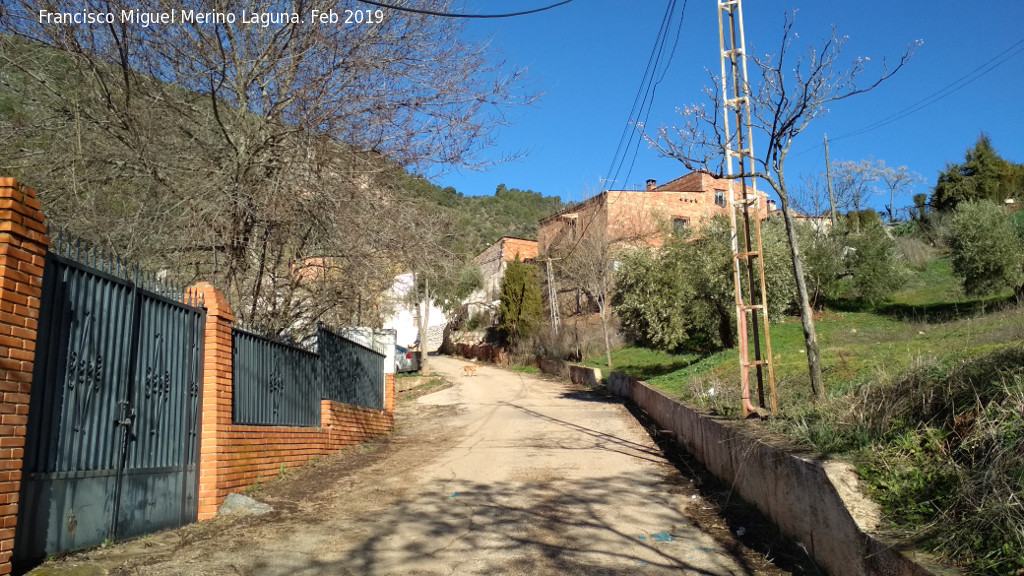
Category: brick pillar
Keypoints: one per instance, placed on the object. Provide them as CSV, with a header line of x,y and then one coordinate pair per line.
x,y
389,393
217,391
23,244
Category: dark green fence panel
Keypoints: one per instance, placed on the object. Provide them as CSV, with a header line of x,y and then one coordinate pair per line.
x,y
112,433
275,384
351,373
162,457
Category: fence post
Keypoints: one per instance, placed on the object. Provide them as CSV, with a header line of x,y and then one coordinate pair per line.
x,y
217,392
389,377
23,243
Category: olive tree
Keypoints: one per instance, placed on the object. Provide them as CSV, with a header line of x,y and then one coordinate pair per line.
x,y
986,249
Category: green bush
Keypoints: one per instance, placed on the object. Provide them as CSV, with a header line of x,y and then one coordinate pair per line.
x,y
824,266
682,295
778,269
649,301
873,263
985,248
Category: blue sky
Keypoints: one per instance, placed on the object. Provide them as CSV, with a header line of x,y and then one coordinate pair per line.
x,y
588,59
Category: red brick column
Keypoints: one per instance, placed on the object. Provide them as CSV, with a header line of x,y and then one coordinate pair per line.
x,y
389,394
216,396
23,244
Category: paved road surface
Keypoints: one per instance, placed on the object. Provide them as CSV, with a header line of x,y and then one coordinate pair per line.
x,y
503,473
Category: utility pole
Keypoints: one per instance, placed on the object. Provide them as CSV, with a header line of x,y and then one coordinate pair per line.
x,y
828,176
552,293
736,97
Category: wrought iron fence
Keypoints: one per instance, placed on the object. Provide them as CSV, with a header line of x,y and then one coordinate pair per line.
x,y
281,384
351,373
114,408
275,384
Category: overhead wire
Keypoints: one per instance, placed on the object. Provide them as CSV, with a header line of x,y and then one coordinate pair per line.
x,y
462,15
939,94
954,86
644,94
642,104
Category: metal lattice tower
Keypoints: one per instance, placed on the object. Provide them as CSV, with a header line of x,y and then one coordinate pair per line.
x,y
552,294
748,262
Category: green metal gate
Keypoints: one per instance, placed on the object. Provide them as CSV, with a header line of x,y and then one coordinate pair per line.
x,y
112,440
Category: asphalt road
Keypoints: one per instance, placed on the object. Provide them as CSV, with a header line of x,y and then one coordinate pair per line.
x,y
503,473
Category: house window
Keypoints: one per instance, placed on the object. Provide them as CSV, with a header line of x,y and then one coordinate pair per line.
x,y
679,224
720,197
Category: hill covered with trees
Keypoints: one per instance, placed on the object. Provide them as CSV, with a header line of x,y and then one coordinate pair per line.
x,y
482,220
259,189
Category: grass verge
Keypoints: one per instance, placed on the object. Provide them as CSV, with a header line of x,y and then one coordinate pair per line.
x,y
925,395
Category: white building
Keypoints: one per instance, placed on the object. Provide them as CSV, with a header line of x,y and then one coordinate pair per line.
x,y
405,319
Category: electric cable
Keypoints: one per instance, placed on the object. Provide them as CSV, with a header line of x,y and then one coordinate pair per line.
x,y
647,89
939,94
643,95
958,84
454,15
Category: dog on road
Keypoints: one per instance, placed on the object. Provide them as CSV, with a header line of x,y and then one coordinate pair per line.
x,y
469,370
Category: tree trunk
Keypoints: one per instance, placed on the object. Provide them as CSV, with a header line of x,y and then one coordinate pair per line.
x,y
603,308
424,325
806,313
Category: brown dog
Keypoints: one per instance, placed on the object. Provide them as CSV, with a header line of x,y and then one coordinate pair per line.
x,y
469,370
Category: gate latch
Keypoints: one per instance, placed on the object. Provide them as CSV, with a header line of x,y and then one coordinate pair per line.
x,y
127,419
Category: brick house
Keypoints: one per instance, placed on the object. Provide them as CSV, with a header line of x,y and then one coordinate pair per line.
x,y
642,217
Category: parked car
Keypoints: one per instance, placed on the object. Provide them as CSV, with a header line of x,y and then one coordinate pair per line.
x,y
406,360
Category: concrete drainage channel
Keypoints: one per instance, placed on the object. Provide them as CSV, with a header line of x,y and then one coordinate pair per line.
x,y
816,503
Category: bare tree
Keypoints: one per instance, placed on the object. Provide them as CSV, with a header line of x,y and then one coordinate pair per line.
x,y
791,92
812,197
897,181
249,147
589,265
589,254
854,184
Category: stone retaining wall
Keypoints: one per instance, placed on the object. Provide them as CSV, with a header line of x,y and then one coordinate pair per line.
x,y
816,502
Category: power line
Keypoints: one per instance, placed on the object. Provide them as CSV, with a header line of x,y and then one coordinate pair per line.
x,y
958,84
939,94
454,15
648,88
645,92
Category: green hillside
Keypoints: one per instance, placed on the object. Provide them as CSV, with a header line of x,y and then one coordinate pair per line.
x,y
482,220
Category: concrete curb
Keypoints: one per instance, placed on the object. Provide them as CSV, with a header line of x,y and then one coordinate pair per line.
x,y
809,500
406,383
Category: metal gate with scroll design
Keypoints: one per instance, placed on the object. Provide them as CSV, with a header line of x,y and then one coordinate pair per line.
x,y
112,442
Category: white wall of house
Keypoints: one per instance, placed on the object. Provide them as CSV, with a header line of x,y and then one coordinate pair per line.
x,y
405,319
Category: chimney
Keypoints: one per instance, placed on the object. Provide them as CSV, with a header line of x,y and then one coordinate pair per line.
x,y
651,184
771,205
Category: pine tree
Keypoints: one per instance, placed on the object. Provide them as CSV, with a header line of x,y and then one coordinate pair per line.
x,y
984,175
521,308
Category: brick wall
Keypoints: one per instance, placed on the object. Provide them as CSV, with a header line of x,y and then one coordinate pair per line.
x,y
512,247
591,214
23,244
492,262
231,457
643,217
234,457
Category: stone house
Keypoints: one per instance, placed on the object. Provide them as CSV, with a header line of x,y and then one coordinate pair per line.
x,y
495,259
